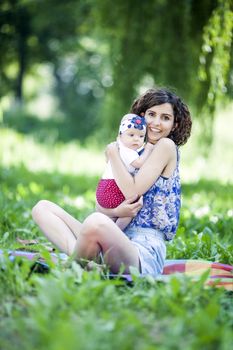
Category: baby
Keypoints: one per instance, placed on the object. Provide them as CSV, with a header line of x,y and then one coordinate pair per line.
x,y
131,139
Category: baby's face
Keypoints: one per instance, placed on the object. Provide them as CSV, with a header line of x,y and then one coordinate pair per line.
x,y
133,138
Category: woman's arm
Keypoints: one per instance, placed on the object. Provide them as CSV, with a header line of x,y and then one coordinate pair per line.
x,y
163,153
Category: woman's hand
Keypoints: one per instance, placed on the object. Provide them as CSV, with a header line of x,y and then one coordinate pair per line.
x,y
130,207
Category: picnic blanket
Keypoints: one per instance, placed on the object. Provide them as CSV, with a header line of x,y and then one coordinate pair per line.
x,y
220,275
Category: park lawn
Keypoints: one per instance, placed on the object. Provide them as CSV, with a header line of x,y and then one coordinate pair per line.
x,y
74,309
69,308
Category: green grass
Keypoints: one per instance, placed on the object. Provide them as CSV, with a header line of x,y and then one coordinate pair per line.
x,y
70,308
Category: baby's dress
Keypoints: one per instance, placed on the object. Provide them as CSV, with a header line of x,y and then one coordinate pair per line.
x,y
108,194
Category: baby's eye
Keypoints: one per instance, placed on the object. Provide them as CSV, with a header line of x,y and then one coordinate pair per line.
x,y
142,136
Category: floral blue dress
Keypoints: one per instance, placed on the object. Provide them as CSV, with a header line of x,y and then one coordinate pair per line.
x,y
156,222
161,205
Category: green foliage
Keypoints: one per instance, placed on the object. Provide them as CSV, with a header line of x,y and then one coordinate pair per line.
x,y
217,40
76,309
215,58
98,63
205,231
26,189
33,32
160,55
81,80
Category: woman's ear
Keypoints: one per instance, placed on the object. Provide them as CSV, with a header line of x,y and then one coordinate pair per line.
x,y
142,114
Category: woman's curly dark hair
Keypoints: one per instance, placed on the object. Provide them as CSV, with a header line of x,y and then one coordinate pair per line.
x,y
182,117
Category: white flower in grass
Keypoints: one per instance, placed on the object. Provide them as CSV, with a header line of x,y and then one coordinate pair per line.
x,y
214,219
200,212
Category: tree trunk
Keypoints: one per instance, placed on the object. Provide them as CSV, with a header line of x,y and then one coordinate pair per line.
x,y
21,70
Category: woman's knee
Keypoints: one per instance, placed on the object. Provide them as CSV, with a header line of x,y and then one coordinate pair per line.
x,y
94,224
39,208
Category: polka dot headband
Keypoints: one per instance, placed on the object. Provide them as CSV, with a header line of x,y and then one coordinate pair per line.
x,y
132,121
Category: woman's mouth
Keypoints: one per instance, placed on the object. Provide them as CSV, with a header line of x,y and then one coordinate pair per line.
x,y
155,130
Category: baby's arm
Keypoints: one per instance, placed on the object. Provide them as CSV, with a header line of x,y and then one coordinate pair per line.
x,y
137,163
120,222
110,212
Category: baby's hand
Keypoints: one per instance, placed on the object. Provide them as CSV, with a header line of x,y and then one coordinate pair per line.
x,y
113,146
149,147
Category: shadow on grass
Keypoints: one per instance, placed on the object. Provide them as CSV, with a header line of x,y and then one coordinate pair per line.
x,y
22,189
12,177
210,191
207,207
208,187
46,131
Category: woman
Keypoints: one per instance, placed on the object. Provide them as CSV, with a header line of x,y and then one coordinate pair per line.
x,y
142,244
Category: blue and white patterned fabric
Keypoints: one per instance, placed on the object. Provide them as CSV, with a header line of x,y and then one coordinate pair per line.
x,y
151,249
161,205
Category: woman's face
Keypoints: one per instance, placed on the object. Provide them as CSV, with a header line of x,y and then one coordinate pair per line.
x,y
160,121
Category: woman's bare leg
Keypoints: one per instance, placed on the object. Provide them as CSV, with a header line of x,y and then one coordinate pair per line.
x,y
57,225
97,234
100,234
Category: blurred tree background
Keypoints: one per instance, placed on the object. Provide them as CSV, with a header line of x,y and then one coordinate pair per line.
x,y
89,59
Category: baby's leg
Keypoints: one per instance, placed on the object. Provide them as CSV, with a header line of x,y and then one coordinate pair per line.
x,y
57,225
123,222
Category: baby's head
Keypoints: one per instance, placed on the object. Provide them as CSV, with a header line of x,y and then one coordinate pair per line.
x,y
132,131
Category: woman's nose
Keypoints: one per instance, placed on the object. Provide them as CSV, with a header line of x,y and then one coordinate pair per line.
x,y
155,121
